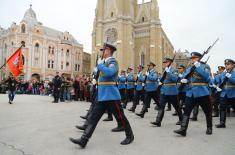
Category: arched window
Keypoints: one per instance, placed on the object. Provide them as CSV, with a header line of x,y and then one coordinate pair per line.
x,y
111,14
67,53
49,50
52,50
23,28
142,57
36,48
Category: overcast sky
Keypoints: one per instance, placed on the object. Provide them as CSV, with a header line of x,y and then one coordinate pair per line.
x,y
189,24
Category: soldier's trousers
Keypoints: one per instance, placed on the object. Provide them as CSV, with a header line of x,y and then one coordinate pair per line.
x,y
225,102
98,111
148,96
123,95
137,98
171,99
205,104
182,96
130,94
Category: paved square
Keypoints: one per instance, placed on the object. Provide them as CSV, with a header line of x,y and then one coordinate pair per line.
x,y
35,126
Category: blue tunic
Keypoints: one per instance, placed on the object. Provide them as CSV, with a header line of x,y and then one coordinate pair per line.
x,y
151,82
199,82
229,88
107,89
140,81
169,87
130,81
122,82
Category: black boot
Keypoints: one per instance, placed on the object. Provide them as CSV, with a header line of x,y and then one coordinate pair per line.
x,y
82,142
159,118
143,111
108,119
184,125
83,117
209,131
118,129
129,135
81,127
222,120
195,113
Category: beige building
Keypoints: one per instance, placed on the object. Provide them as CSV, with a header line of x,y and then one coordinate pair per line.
x,y
182,58
46,50
86,69
134,28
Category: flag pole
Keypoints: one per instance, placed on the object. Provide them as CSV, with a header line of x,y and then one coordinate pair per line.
x,y
5,62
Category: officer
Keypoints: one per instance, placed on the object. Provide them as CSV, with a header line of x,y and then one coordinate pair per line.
x,y
122,86
108,97
151,86
169,93
197,93
130,85
139,88
57,85
227,95
215,94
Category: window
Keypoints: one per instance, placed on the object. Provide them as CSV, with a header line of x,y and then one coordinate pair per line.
x,y
111,14
67,64
36,62
67,53
49,64
36,48
52,64
23,28
52,50
49,50
142,19
62,65
142,57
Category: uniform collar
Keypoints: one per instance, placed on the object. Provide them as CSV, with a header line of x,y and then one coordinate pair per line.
x,y
107,59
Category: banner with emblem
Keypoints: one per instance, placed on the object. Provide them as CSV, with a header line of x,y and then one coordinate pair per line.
x,y
15,63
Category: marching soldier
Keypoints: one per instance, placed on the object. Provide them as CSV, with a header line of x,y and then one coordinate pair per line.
x,y
57,86
197,93
227,95
139,88
108,98
130,81
150,89
169,93
216,95
122,86
11,87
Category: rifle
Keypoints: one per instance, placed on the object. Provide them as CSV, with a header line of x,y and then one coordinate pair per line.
x,y
192,70
207,59
221,86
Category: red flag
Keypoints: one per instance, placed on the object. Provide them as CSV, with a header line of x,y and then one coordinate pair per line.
x,y
15,63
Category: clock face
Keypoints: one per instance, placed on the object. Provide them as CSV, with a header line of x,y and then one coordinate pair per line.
x,y
111,35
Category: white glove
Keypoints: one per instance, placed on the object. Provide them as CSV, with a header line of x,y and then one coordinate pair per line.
x,y
218,89
147,73
95,69
138,75
214,86
167,69
143,84
159,83
100,61
197,64
184,81
228,75
94,82
180,75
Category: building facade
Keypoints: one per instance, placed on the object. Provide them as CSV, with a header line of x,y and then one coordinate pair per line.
x,y
86,69
182,58
46,50
136,30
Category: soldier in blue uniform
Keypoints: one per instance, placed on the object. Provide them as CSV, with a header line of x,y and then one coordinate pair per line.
x,y
122,86
227,95
197,93
151,85
130,85
215,94
169,93
139,88
108,98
